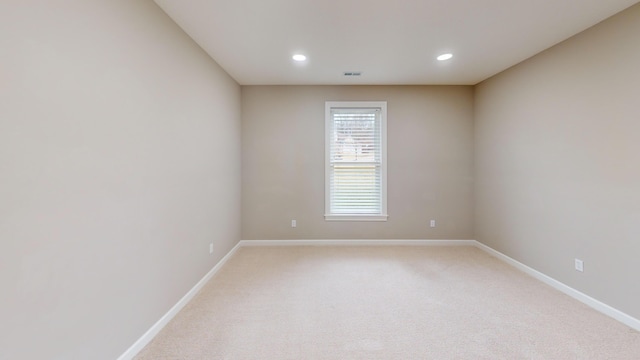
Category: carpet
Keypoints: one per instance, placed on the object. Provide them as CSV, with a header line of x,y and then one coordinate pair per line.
x,y
384,302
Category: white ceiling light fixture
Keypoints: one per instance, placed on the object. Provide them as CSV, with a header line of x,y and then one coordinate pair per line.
x,y
444,57
299,57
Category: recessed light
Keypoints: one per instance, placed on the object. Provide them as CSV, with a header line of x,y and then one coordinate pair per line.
x,y
299,57
444,57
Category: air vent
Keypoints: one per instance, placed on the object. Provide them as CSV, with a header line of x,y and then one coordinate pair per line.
x,y
352,73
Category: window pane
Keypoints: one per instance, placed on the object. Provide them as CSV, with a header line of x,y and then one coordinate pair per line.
x,y
355,137
355,189
355,169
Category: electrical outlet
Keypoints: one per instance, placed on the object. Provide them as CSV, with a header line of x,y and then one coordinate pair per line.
x,y
293,223
432,223
579,265
211,248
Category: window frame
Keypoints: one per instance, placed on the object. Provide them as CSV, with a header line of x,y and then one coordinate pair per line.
x,y
382,106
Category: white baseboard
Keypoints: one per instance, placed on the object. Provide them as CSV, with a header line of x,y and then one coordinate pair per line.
x,y
155,329
334,242
595,304
583,298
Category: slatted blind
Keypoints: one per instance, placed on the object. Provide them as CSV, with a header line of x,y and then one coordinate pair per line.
x,y
355,161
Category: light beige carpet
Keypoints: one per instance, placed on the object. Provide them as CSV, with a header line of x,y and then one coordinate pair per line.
x,y
384,303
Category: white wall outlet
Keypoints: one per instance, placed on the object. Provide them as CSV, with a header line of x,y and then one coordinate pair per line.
x,y
432,223
211,248
294,223
579,265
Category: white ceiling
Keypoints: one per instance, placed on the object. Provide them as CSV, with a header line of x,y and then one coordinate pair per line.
x,y
390,42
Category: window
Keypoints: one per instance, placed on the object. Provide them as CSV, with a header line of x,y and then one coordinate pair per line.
x,y
355,153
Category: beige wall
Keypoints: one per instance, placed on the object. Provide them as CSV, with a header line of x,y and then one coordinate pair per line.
x,y
558,161
430,141
119,164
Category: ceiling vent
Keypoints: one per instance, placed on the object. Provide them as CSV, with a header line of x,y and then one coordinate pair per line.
x,y
352,73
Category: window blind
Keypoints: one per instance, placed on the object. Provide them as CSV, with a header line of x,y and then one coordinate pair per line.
x,y
355,161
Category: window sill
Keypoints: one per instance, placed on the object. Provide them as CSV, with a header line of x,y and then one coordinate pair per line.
x,y
347,217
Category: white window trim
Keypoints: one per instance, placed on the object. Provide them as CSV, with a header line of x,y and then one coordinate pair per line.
x,y
382,105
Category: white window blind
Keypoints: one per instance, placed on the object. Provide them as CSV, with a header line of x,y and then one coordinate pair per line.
x,y
356,169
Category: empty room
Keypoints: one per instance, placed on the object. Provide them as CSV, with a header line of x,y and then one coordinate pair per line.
x,y
245,179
